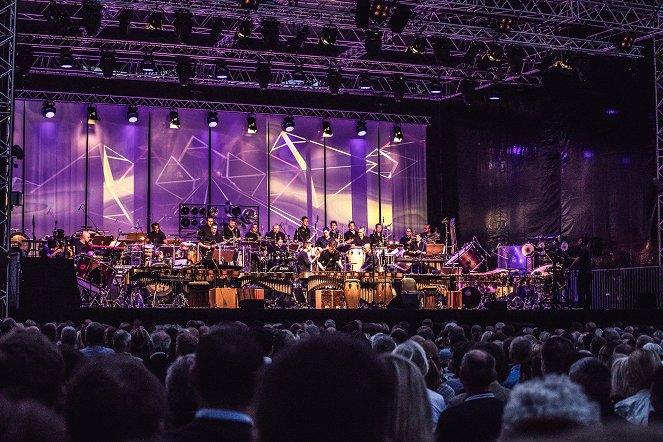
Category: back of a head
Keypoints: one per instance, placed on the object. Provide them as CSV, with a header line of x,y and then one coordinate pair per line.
x,y
50,330
547,406
186,343
94,334
28,421
495,351
228,360
160,341
556,355
68,336
520,349
121,341
180,394
114,399
641,366
31,366
337,378
477,371
414,352
382,343
594,377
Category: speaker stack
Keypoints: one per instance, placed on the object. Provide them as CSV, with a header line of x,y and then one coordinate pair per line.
x,y
192,216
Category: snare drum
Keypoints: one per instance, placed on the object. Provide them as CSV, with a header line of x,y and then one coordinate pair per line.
x,y
352,292
356,258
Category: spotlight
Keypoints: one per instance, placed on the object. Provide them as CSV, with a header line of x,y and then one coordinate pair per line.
x,y
92,115
435,87
155,21
174,119
244,29
147,64
182,25
249,4
334,81
288,123
48,109
365,82
298,41
327,129
125,21
24,60
625,43
269,29
184,69
361,128
91,17
132,114
58,18
504,25
515,58
471,54
215,31
107,63
263,75
221,70
492,58
329,35
467,91
398,87
398,134
380,10
66,59
212,119
373,42
251,126
442,51
418,46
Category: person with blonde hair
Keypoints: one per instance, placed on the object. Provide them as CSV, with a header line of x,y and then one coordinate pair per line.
x,y
410,413
642,364
619,382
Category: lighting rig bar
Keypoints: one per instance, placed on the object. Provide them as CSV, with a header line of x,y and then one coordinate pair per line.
x,y
220,106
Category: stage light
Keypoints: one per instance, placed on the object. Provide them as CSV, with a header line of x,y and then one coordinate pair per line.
x,y
471,53
334,81
435,87
365,82
492,58
92,115
215,31
373,42
515,57
418,46
184,69
494,96
249,4
251,125
298,41
328,36
399,18
58,19
327,129
221,70
66,59
625,43
48,109
269,29
182,25
504,25
24,60
91,17
398,87
174,118
442,51
263,75
380,10
155,20
398,134
361,128
467,91
244,29
132,114
107,63
125,21
147,64
288,123
212,119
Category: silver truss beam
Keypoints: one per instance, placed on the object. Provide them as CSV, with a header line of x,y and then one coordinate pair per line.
x,y
658,96
220,106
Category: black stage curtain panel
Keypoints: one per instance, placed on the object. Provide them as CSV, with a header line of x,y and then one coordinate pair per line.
x,y
558,176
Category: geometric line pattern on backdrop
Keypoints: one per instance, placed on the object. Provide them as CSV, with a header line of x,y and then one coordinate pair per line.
x,y
117,188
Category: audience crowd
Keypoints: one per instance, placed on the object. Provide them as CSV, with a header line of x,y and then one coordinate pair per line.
x,y
322,382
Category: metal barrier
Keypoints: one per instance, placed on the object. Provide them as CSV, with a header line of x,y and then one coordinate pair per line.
x,y
622,289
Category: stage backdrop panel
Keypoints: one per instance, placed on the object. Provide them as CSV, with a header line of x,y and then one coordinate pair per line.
x,y
143,171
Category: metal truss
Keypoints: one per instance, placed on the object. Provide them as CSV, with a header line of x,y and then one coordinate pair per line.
x,y
221,106
7,49
658,79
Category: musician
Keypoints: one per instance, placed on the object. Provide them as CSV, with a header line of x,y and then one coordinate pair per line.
x,y
407,240
351,234
83,245
206,230
371,263
303,260
428,235
275,234
361,239
51,249
303,233
324,241
231,231
418,250
377,238
208,242
583,264
253,234
333,232
279,253
330,258
156,235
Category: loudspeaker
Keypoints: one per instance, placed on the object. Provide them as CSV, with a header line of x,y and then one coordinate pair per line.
x,y
399,18
252,304
406,300
362,12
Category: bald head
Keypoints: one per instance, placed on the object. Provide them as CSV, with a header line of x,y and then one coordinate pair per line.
x,y
477,371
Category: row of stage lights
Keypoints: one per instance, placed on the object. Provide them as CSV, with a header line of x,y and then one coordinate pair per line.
x,y
288,124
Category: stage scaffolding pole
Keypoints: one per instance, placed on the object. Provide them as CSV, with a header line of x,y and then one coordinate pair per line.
x,y
8,283
658,94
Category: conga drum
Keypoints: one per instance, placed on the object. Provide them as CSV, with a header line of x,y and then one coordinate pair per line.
x,y
352,291
383,292
199,294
